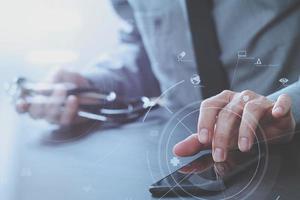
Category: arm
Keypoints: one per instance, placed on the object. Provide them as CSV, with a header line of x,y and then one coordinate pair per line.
x,y
128,70
233,120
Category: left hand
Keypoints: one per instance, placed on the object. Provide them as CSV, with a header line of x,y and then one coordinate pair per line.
x,y
230,119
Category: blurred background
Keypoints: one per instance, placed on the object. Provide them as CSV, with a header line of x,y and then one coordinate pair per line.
x,y
38,35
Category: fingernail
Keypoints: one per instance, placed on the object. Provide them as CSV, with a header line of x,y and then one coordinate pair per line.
x,y
218,155
203,136
278,109
244,144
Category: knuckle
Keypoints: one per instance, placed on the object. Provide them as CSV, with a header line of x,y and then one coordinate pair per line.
x,y
227,115
206,103
223,113
253,105
263,99
285,96
263,102
227,92
221,140
247,92
235,108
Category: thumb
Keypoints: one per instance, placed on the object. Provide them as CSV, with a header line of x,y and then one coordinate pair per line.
x,y
282,106
189,146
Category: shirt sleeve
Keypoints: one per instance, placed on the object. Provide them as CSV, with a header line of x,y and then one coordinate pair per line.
x,y
293,91
127,71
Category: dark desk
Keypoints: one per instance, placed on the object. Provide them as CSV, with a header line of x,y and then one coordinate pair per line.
x,y
119,163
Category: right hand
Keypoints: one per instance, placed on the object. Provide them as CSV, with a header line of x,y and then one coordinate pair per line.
x,y
53,111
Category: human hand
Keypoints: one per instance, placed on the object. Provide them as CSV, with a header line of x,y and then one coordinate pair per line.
x,y
58,108
230,120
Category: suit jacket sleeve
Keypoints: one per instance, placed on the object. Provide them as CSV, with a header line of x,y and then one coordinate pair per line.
x,y
127,71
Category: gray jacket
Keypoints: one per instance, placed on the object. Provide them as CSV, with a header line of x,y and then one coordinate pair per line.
x,y
259,40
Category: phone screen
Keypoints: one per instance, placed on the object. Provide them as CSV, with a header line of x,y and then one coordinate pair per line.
x,y
204,175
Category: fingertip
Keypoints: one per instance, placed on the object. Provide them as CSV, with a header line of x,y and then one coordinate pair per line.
x,y
72,103
282,106
72,99
176,150
203,136
188,147
22,106
180,149
278,111
244,144
219,155
70,111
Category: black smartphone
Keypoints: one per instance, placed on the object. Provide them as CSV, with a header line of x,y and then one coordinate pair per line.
x,y
203,176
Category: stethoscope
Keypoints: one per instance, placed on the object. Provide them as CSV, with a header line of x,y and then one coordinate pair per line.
x,y
105,106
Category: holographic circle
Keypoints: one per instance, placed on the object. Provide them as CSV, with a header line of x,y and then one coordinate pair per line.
x,y
249,188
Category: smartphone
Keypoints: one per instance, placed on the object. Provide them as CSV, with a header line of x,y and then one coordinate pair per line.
x,y
203,176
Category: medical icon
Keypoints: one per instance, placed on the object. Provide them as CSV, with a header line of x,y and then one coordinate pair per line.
x,y
25,172
180,56
175,161
195,79
258,62
242,54
246,98
148,102
283,81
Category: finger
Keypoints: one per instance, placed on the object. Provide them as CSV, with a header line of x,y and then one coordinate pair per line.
x,y
66,76
56,76
36,109
287,126
190,146
254,111
225,133
22,106
209,110
282,106
70,111
54,107
227,125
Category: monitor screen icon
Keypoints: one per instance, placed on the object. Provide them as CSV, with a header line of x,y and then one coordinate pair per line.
x,y
242,54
